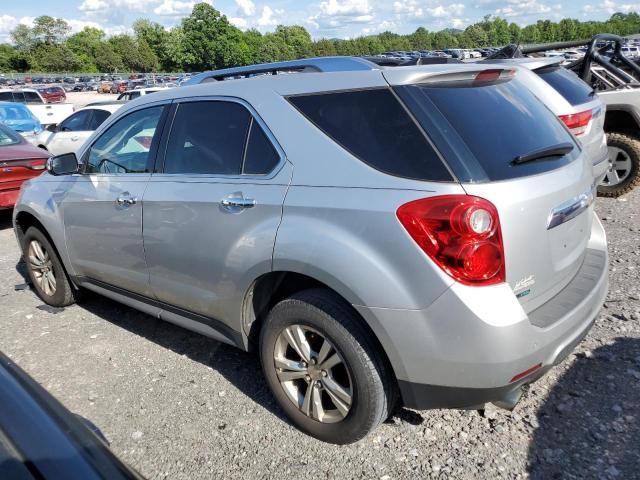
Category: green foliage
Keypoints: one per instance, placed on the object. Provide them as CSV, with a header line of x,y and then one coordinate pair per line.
x,y
207,40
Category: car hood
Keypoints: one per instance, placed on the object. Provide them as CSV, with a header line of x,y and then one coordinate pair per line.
x,y
21,151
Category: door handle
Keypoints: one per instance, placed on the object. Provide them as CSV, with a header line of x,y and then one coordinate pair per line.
x,y
238,202
74,139
126,199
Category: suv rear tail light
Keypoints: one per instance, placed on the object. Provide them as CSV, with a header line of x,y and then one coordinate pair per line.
x,y
577,122
460,233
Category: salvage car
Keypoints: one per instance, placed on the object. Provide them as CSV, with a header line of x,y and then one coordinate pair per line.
x,y
19,118
19,161
47,114
372,232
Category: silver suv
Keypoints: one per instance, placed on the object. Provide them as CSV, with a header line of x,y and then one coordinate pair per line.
x,y
414,235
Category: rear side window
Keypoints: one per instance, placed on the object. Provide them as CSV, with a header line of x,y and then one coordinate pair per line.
x,y
207,138
567,83
6,97
32,97
487,127
374,127
261,157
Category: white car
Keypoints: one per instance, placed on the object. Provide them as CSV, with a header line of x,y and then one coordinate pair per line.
x,y
131,94
69,135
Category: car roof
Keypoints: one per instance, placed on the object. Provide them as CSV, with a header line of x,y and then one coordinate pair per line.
x,y
109,107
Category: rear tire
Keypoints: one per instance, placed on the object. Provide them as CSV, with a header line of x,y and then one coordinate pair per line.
x,y
46,271
347,400
625,171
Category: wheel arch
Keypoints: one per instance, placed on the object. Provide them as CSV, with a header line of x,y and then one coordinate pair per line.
x,y
620,118
270,288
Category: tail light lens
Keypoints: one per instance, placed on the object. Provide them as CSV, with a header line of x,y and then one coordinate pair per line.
x,y
577,122
460,233
37,164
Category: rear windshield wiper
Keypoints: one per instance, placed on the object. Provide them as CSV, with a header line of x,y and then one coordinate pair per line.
x,y
544,153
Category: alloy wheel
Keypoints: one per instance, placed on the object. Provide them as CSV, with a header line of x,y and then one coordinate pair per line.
x,y
42,268
620,167
313,374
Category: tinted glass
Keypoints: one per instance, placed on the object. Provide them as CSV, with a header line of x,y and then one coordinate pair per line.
x,y
124,147
77,122
261,156
32,97
207,138
133,95
496,123
6,97
18,97
568,84
99,116
374,127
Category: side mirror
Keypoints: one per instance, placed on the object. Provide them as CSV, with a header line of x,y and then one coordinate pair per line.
x,y
66,164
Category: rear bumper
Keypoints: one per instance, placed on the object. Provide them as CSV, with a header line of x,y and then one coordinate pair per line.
x,y
465,349
600,169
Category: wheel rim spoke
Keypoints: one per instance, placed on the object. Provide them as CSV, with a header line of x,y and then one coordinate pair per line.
x,y
306,402
324,352
41,268
331,362
317,410
336,391
296,338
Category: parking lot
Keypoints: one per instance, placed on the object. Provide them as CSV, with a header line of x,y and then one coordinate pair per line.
x,y
174,404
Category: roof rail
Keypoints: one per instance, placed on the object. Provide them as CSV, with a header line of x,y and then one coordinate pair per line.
x,y
304,65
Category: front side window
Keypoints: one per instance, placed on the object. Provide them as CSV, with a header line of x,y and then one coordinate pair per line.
x,y
125,146
98,118
207,137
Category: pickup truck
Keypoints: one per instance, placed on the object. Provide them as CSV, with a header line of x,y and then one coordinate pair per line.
x,y
47,113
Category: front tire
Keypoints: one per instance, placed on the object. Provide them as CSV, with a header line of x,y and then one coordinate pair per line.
x,y
45,269
624,175
324,368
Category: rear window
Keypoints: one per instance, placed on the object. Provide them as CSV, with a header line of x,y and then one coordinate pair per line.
x,y
482,129
374,127
568,84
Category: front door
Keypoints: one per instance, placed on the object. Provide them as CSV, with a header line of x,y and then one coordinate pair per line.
x,y
103,208
212,212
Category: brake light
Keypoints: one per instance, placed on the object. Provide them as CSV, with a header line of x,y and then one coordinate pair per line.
x,y
37,164
577,122
460,233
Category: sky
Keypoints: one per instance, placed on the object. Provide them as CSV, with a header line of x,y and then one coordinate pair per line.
x,y
324,18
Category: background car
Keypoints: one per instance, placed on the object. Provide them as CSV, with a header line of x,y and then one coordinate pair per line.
x,y
119,86
69,135
131,94
19,118
53,94
19,161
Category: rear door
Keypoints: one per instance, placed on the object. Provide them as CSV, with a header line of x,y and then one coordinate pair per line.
x,y
485,129
213,208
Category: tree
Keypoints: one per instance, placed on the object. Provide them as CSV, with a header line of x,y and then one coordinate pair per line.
x,y
50,30
23,38
158,39
136,55
107,60
297,38
209,41
86,41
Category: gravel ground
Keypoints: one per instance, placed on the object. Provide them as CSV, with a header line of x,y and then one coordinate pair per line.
x,y
174,404
80,99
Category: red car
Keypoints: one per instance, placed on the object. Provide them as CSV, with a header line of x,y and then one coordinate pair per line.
x,y
119,86
53,94
19,161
